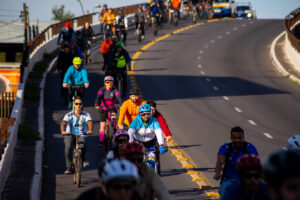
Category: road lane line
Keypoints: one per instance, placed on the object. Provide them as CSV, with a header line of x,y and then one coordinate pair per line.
x,y
215,88
237,109
235,28
208,79
252,122
226,98
200,66
227,32
220,36
243,25
202,72
201,52
206,46
268,135
199,57
212,41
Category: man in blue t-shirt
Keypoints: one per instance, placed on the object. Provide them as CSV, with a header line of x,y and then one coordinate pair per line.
x,y
228,155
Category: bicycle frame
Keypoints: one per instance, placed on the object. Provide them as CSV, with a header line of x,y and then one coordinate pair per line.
x,y
110,126
77,162
152,158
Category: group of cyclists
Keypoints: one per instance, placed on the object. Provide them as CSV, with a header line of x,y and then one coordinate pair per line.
x,y
140,128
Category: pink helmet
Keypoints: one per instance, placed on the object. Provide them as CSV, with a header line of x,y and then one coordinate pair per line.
x,y
121,132
109,78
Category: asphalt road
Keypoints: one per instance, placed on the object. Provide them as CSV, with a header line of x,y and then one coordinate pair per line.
x,y
205,80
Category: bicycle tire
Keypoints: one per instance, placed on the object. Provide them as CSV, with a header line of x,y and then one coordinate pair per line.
x,y
73,166
79,168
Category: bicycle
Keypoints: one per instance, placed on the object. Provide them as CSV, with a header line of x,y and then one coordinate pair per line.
x,y
77,162
75,88
155,24
174,16
152,158
139,32
110,127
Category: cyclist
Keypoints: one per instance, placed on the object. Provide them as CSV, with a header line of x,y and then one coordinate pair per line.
x,y
105,102
76,75
251,186
114,34
140,18
81,43
130,108
160,119
145,129
77,122
108,19
88,35
64,61
228,155
155,12
100,16
122,24
294,143
117,62
119,178
150,185
65,34
175,6
105,50
282,174
121,138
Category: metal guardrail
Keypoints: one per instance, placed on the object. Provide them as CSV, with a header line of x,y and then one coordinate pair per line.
x,y
290,21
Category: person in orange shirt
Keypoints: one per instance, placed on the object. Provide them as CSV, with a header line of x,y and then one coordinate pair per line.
x,y
105,49
108,20
130,108
176,4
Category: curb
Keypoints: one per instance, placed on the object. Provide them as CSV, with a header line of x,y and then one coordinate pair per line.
x,y
35,190
277,63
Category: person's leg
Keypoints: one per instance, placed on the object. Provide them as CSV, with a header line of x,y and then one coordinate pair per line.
x,y
223,186
102,116
143,28
82,145
80,92
68,140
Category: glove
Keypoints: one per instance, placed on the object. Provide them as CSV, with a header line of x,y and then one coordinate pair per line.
x,y
163,149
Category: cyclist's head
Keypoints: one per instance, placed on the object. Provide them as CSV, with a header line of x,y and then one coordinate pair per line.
x,y
109,81
87,25
108,36
121,138
145,112
105,6
121,12
144,7
134,95
120,178
237,136
153,106
140,8
78,105
66,48
77,62
119,45
250,170
67,25
134,152
109,10
294,143
282,174
78,33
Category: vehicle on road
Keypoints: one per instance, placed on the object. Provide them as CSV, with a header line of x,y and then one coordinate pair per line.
x,y
222,8
244,10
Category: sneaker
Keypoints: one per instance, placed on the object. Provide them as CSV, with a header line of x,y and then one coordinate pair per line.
x,y
85,163
68,171
143,37
101,144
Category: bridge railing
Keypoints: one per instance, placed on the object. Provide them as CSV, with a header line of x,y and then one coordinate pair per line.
x,y
290,22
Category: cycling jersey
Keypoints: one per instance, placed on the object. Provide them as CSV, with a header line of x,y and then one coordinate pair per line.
x,y
77,77
154,10
77,125
144,132
65,35
175,4
118,61
122,21
162,122
108,18
130,111
105,46
107,98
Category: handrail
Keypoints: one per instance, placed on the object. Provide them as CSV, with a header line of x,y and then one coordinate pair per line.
x,y
292,20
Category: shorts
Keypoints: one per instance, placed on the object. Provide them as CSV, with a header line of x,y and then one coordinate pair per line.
x,y
103,114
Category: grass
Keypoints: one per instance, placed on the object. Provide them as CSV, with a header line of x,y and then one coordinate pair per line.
x,y
26,133
32,92
48,55
40,67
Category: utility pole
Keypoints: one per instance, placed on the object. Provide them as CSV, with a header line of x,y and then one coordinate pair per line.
x,y
25,16
25,54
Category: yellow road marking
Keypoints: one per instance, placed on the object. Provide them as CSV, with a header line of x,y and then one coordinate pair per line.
x,y
192,172
176,153
181,159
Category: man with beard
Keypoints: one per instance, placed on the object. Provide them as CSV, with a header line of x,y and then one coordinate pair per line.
x,y
228,155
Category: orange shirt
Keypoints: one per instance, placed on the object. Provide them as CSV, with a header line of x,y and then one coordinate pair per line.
x,y
129,110
175,3
105,46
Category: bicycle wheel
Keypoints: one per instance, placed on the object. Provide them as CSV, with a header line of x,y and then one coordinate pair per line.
x,y
74,167
78,168
108,137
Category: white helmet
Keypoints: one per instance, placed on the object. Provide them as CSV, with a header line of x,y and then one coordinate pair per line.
x,y
294,143
119,170
108,78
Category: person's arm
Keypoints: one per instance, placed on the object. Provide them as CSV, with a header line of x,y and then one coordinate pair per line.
x,y
98,98
85,77
63,126
164,126
158,132
104,18
90,127
67,76
159,188
126,23
59,37
131,133
219,165
118,97
123,109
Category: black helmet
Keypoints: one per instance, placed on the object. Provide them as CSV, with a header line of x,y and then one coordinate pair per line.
x,y
121,12
281,165
78,33
134,92
104,5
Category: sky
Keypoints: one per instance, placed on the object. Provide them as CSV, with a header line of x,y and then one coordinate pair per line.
x,y
41,9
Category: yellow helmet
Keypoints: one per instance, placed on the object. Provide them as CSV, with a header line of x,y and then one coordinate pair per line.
x,y
77,61
149,2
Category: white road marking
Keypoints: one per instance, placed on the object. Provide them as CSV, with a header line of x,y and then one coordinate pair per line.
x,y
243,25
226,98
237,109
252,122
220,36
251,22
268,135
208,79
284,148
235,28
199,57
201,52
202,72
212,41
227,32
215,88
200,66
206,46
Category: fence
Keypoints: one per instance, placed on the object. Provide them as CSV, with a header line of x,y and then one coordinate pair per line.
x,y
292,20
7,100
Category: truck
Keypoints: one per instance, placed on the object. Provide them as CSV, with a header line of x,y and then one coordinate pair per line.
x,y
223,8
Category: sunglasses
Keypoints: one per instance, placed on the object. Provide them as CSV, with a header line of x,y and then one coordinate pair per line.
x,y
139,160
108,82
76,104
122,141
118,187
250,175
145,114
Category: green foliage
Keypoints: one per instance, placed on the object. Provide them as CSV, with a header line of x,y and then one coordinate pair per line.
x,y
32,92
26,133
40,67
59,13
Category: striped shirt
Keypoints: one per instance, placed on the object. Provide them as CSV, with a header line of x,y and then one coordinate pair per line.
x,y
77,125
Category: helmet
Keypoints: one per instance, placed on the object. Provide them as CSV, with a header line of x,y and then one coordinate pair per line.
x,y
105,5
77,61
144,7
109,78
121,132
281,165
145,108
134,147
78,33
248,162
121,12
67,24
134,92
119,170
294,143
118,44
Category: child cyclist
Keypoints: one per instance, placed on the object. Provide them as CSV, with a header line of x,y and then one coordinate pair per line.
x,y
105,102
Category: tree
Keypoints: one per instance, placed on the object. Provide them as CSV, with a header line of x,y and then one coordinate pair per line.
x,y
59,13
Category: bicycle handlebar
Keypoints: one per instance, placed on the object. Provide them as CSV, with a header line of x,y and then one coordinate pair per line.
x,y
73,86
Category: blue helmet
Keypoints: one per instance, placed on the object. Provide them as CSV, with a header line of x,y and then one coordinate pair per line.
x,y
145,108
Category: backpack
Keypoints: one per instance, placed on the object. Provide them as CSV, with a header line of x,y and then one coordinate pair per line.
x,y
121,21
228,154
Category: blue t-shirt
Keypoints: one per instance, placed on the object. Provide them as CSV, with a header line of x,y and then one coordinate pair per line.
x,y
230,169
